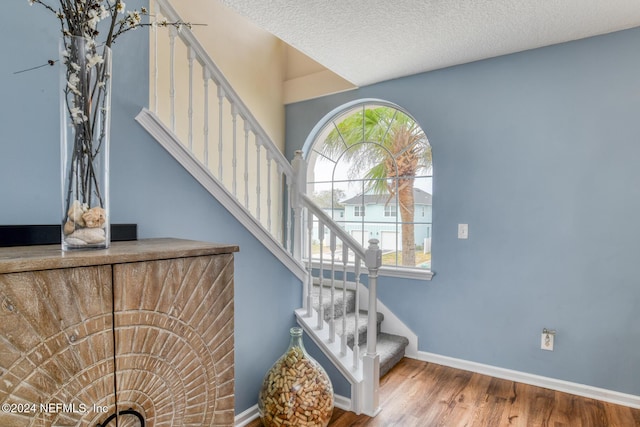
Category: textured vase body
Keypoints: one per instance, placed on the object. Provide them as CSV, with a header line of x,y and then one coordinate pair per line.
x,y
85,114
296,391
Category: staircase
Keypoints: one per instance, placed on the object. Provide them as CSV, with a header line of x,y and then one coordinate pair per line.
x,y
244,170
390,347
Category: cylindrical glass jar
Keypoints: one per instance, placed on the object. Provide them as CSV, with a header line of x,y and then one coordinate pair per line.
x,y
85,112
296,391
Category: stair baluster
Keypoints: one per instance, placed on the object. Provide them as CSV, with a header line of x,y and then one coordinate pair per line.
x,y
234,159
154,51
269,159
332,321
246,163
288,233
220,134
310,262
192,57
259,178
345,260
320,324
172,77
206,76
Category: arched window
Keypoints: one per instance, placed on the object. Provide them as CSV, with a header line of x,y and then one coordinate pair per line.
x,y
370,168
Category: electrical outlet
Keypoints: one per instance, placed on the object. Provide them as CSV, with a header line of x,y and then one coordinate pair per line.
x,y
546,341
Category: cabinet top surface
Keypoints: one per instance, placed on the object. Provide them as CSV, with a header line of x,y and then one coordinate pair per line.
x,y
46,257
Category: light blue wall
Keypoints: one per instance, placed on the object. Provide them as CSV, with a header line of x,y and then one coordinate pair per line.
x,y
538,152
148,187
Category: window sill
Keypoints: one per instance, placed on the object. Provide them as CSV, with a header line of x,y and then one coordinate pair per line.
x,y
385,271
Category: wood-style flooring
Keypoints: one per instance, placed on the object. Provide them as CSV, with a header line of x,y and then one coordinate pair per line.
x,y
421,394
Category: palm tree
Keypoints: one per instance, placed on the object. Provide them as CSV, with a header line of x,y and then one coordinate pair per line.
x,y
387,149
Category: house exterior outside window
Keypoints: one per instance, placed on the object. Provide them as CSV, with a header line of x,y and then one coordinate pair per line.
x,y
379,225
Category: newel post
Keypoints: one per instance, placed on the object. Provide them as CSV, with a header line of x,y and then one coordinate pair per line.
x,y
371,359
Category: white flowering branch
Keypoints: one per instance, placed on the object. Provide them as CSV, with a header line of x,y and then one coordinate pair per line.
x,y
81,18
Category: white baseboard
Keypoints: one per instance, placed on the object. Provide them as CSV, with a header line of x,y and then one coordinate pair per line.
x,y
583,390
342,402
245,417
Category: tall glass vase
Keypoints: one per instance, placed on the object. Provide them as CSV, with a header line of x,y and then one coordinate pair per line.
x,y
85,115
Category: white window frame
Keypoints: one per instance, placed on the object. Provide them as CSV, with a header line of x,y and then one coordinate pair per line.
x,y
386,270
391,210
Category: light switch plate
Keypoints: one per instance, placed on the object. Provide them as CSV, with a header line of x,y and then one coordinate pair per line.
x,y
463,231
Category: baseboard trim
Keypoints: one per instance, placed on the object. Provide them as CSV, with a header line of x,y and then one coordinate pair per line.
x,y
583,390
245,417
342,402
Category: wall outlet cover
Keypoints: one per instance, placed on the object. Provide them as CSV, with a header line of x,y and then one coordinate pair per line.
x,y
546,341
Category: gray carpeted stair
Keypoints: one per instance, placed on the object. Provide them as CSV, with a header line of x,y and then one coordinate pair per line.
x,y
390,347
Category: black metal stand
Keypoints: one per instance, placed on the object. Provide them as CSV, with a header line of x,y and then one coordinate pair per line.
x,y
123,412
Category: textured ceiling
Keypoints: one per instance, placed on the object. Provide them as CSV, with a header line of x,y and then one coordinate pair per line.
x,y
368,41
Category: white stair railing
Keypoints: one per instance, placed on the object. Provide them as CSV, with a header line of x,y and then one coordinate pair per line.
x,y
193,97
341,249
233,155
362,369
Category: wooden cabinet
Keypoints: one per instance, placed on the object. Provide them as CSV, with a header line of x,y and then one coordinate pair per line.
x,y
143,330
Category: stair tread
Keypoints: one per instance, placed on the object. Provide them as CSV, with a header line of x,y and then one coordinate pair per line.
x,y
338,301
351,321
391,349
362,326
326,295
364,315
391,340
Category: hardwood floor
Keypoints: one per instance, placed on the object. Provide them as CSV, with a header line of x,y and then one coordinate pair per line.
x,y
421,394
